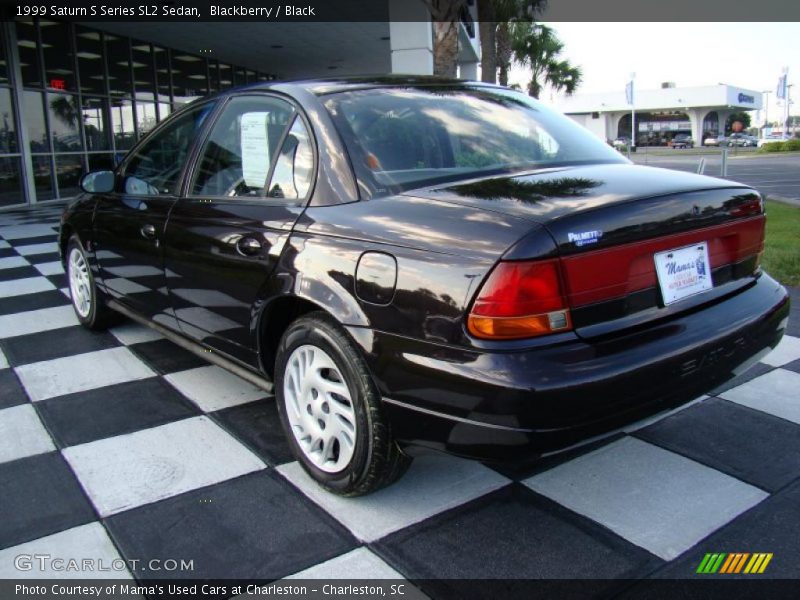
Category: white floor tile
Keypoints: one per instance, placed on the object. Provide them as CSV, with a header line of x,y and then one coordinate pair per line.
x,y
130,470
12,262
131,332
432,485
787,351
22,433
31,249
4,244
360,563
776,393
654,498
50,268
80,372
88,541
212,388
34,321
16,232
3,361
29,285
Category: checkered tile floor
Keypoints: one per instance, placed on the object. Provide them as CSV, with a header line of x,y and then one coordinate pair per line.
x,y
121,444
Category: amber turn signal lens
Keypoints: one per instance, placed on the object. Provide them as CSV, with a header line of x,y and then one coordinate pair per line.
x,y
509,328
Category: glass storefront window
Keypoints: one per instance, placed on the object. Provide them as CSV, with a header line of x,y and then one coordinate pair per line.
x,y
91,66
213,76
64,114
189,77
122,124
59,67
3,59
69,168
119,65
163,111
144,80
43,177
145,117
95,123
27,46
33,113
10,182
162,73
8,132
225,76
239,76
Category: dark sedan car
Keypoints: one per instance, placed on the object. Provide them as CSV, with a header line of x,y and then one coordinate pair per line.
x,y
424,265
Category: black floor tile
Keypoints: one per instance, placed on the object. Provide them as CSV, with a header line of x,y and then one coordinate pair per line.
x,y
55,343
793,366
771,526
26,302
258,426
748,444
60,280
6,252
113,410
37,259
513,535
39,239
755,371
167,357
40,496
256,527
18,273
11,390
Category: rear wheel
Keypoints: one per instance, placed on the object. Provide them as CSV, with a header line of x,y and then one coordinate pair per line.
x,y
86,299
331,411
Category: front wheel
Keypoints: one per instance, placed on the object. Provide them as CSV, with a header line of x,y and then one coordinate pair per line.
x,y
331,410
86,299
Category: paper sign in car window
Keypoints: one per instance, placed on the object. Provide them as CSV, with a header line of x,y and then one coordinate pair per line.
x,y
255,148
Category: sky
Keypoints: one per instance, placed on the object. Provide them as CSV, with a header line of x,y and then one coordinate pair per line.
x,y
748,55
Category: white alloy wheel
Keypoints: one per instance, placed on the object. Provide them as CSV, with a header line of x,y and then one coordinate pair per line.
x,y
80,286
319,408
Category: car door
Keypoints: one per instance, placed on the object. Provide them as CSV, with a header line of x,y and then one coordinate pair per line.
x,y
129,222
250,183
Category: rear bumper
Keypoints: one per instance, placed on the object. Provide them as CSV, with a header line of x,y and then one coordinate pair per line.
x,y
520,404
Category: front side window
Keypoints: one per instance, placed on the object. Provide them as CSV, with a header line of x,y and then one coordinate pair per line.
x,y
156,166
401,138
243,144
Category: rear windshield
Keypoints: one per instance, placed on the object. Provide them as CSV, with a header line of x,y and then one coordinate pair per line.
x,y
402,138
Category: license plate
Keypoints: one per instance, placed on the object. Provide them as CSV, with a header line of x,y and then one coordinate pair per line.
x,y
683,272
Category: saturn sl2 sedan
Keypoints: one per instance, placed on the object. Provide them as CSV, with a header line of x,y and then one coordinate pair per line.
x,y
423,265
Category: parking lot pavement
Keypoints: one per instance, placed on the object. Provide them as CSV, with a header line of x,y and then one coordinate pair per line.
x,y
771,174
121,444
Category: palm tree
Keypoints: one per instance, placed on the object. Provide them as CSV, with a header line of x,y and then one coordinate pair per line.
x,y
445,15
494,17
537,46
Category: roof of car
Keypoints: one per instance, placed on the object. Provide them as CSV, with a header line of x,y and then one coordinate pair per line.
x,y
341,84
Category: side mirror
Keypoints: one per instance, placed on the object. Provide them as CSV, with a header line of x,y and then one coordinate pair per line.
x,y
98,182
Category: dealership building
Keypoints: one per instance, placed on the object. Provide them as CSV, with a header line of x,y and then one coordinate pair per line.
x,y
662,113
75,96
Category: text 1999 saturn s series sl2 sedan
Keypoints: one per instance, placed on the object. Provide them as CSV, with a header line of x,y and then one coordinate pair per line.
x,y
424,265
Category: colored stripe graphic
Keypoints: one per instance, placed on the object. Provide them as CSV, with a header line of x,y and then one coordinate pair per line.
x,y
733,562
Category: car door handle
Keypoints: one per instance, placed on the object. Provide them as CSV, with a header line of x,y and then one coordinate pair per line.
x,y
248,246
148,231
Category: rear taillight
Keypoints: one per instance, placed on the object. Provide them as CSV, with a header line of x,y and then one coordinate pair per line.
x,y
520,300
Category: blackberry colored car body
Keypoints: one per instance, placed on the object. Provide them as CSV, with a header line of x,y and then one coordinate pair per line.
x,y
424,265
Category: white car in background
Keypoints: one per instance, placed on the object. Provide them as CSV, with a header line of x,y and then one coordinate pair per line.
x,y
772,137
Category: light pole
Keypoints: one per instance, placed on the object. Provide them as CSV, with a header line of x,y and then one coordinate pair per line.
x,y
788,108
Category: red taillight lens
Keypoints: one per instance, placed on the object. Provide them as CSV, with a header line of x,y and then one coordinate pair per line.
x,y
519,300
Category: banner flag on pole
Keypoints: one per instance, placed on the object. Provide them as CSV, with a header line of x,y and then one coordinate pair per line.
x,y
780,93
629,92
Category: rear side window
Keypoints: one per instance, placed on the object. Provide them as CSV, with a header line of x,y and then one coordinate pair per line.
x,y
242,147
155,167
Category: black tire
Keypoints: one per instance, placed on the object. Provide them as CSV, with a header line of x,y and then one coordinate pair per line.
x,y
99,316
376,461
